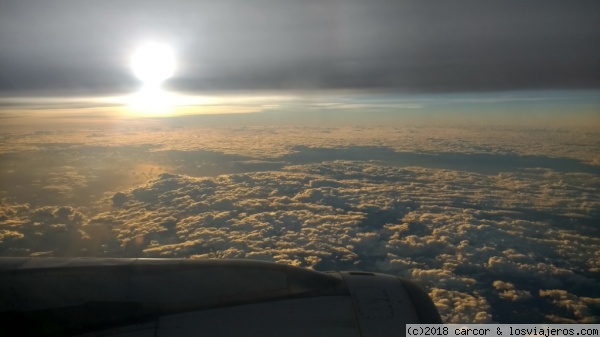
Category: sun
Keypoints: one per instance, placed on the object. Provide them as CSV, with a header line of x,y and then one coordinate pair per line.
x,y
153,63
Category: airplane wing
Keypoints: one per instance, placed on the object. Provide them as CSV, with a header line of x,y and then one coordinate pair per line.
x,y
187,297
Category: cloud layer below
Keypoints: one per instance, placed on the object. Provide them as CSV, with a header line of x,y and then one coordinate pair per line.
x,y
480,243
499,223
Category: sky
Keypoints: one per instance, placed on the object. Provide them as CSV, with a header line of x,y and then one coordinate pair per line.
x,y
77,47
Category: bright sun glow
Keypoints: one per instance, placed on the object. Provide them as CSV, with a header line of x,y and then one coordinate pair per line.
x,y
153,63
151,100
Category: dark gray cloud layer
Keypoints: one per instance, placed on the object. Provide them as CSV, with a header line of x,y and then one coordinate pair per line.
x,y
410,45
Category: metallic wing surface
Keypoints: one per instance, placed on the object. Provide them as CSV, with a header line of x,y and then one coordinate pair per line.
x,y
186,297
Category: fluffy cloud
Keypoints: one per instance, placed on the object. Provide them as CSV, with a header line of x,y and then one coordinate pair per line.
x,y
506,290
484,242
424,224
579,307
278,141
461,307
48,230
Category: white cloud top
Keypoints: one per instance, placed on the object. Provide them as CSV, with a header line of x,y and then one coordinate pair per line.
x,y
485,244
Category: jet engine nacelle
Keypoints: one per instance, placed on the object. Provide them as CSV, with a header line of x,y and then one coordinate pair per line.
x,y
186,297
